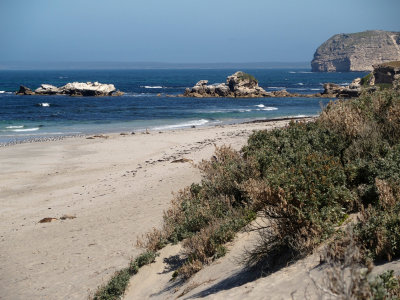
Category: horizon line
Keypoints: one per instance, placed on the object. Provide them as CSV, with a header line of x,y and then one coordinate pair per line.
x,y
118,65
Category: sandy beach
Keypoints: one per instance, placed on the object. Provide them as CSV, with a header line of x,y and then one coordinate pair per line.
x,y
103,192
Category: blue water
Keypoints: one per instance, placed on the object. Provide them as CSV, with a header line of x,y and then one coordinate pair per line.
x,y
141,107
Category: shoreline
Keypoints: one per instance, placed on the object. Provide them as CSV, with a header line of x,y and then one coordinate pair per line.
x,y
100,194
140,131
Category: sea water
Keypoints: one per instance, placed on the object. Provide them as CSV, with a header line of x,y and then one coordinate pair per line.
x,y
146,104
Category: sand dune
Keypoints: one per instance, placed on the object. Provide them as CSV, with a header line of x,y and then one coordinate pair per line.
x,y
116,187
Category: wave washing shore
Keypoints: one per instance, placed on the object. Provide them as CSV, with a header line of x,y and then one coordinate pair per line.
x,y
146,104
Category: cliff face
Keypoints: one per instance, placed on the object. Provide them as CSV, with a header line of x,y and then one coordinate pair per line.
x,y
356,51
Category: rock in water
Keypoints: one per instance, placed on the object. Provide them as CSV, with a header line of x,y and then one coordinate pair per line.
x,y
87,89
47,89
240,85
23,90
356,51
73,89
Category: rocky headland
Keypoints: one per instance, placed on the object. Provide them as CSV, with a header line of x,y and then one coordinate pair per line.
x,y
356,51
88,89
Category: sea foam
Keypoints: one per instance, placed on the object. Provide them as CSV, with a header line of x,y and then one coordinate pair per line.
x,y
152,87
182,125
26,129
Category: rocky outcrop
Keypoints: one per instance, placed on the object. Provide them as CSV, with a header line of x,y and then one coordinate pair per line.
x,y
74,89
88,89
238,85
47,89
332,90
23,90
386,73
356,51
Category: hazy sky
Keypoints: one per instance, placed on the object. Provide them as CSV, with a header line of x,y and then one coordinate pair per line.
x,y
182,30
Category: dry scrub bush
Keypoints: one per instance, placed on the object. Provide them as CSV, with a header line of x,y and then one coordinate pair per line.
x,y
223,174
153,240
208,244
342,117
379,111
348,276
345,276
379,228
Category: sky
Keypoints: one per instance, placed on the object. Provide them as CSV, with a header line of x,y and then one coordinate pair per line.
x,y
182,31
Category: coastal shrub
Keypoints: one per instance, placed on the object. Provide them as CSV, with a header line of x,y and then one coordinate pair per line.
x,y
208,244
115,288
144,259
365,80
224,173
304,180
385,286
348,276
287,145
379,228
304,203
245,76
219,196
117,285
357,118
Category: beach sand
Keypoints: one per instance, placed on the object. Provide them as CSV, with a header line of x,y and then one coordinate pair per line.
x,y
110,188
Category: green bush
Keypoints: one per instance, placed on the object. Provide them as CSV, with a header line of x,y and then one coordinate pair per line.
x,y
115,288
117,285
365,80
245,76
385,286
378,231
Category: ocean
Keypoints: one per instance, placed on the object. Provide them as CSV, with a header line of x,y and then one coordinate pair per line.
x,y
141,108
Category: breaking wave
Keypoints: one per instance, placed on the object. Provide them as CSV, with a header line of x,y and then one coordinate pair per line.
x,y
182,125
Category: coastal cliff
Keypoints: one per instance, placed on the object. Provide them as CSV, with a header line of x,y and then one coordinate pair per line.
x,y
356,51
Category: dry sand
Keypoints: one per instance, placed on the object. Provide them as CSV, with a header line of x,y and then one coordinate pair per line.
x,y
116,187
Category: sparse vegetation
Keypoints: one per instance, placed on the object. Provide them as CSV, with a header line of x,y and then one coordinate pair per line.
x,y
365,80
117,285
245,76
